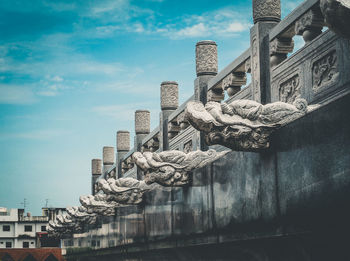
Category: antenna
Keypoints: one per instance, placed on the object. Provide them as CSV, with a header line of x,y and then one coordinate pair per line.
x,y
25,204
46,202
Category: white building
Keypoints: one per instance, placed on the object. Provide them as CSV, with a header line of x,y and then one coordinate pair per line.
x,y
20,231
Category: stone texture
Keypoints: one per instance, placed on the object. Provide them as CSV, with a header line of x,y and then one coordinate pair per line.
x,y
173,168
123,141
108,155
142,121
242,124
169,95
309,25
266,10
96,167
206,58
337,16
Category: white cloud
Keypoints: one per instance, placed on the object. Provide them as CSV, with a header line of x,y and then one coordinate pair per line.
x,y
193,31
14,94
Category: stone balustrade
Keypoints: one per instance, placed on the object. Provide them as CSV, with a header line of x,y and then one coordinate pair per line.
x,y
244,187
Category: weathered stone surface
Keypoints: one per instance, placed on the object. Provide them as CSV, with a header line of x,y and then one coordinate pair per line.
x,y
206,58
142,121
266,10
108,155
325,71
123,140
310,25
337,16
169,95
96,167
242,124
123,190
173,168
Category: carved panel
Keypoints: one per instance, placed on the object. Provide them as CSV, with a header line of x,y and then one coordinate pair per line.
x,y
325,71
289,90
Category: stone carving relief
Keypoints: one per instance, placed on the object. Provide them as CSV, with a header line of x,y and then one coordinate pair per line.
x,y
99,204
337,16
289,90
173,168
325,71
72,222
242,125
206,58
124,190
266,10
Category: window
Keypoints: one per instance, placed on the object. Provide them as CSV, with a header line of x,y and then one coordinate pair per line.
x,y
8,244
32,243
5,228
25,244
93,243
43,228
28,228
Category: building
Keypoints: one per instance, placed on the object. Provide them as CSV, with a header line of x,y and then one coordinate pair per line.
x,y
18,230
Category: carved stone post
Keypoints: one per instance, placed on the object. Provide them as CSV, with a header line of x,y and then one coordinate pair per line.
x,y
123,146
108,158
206,68
169,101
279,48
266,14
142,129
96,171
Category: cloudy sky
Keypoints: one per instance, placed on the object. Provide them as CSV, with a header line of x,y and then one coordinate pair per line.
x,y
73,72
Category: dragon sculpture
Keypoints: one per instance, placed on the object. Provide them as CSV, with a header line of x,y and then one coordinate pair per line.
x,y
242,125
173,168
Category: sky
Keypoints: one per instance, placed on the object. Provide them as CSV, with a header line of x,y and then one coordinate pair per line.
x,y
73,72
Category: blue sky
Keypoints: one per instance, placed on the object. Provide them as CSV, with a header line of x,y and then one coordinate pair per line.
x,y
72,73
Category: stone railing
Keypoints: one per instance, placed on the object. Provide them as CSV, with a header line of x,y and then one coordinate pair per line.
x,y
127,165
231,79
151,141
317,72
313,72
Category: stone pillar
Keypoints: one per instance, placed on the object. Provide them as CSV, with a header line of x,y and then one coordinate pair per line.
x,y
142,127
169,101
96,171
206,68
123,146
108,158
266,14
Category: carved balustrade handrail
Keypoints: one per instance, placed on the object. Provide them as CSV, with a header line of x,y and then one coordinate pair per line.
x,y
180,109
108,172
126,160
286,27
151,141
306,20
234,66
